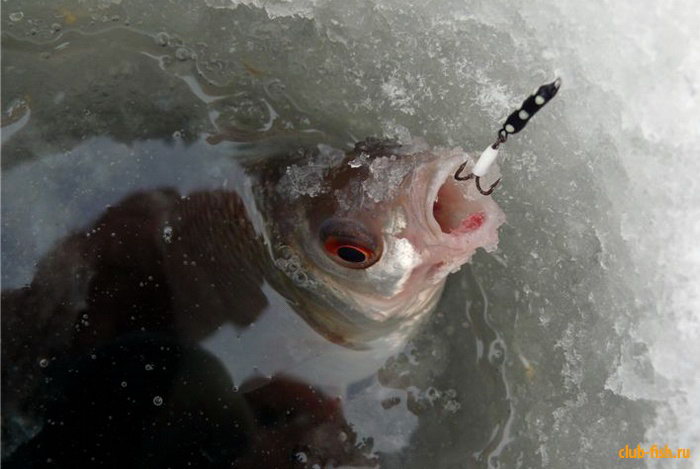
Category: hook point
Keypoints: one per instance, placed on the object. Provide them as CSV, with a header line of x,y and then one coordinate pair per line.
x,y
489,191
458,174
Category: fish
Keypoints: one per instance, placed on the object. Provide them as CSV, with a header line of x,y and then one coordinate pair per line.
x,y
368,237
316,269
201,273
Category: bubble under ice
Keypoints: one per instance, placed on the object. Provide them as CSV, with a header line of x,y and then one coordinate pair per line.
x,y
594,289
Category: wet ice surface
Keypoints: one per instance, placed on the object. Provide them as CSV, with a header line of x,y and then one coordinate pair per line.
x,y
578,336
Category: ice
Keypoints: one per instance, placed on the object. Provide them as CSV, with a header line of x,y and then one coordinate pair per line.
x,y
595,288
304,180
385,176
398,96
307,178
361,160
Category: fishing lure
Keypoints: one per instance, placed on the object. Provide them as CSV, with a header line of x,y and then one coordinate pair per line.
x,y
514,124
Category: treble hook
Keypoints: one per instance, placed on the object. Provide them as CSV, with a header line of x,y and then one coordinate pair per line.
x,y
502,137
459,177
515,123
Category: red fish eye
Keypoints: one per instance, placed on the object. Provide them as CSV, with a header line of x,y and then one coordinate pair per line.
x,y
349,243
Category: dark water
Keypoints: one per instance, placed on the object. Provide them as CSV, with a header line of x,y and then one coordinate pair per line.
x,y
113,356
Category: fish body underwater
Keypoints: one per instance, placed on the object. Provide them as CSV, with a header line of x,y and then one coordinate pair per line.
x,y
212,299
320,276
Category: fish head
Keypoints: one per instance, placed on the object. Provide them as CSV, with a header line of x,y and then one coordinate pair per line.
x,y
371,234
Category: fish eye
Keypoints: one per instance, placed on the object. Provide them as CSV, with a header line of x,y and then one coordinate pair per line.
x,y
349,243
352,253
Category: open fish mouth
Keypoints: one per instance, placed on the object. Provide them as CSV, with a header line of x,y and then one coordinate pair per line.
x,y
455,209
454,212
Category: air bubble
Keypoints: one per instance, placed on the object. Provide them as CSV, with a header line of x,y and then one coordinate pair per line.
x,y
300,278
162,39
182,54
168,234
496,353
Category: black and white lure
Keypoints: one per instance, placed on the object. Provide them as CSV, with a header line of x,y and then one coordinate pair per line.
x,y
514,124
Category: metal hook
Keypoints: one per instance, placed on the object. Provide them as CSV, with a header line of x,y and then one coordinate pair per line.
x,y
490,189
458,173
502,137
458,176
